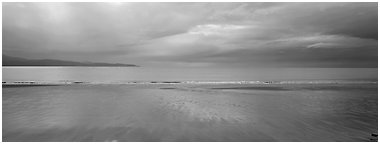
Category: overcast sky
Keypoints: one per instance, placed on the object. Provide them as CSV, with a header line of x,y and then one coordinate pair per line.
x,y
195,34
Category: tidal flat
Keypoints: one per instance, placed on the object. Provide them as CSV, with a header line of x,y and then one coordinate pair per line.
x,y
191,112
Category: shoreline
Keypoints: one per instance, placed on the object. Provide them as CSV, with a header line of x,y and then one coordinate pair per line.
x,y
244,84
31,82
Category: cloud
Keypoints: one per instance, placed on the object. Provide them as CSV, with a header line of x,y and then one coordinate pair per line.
x,y
215,29
326,41
325,45
200,34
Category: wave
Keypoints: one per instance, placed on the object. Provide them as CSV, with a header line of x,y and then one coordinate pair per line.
x,y
70,82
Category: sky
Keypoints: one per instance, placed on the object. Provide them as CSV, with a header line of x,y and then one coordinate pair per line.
x,y
312,35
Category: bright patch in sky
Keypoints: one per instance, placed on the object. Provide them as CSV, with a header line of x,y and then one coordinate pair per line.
x,y
215,29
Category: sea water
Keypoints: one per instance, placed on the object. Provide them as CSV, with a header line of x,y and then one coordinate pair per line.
x,y
219,110
113,74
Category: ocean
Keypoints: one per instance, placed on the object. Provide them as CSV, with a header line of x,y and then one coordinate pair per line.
x,y
125,74
124,104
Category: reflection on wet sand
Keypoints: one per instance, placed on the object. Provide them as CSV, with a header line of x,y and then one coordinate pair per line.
x,y
186,112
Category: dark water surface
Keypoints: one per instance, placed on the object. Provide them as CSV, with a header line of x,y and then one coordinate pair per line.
x,y
190,112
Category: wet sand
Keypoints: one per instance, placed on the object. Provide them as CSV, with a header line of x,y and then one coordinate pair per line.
x,y
190,112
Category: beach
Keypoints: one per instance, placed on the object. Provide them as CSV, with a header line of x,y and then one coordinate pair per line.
x,y
190,72
191,112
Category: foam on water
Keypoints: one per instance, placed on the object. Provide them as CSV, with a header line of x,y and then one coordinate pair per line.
x,y
68,82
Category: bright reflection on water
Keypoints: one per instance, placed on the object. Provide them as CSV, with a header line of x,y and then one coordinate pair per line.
x,y
186,112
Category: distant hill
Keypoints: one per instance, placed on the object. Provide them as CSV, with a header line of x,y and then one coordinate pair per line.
x,y
16,61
